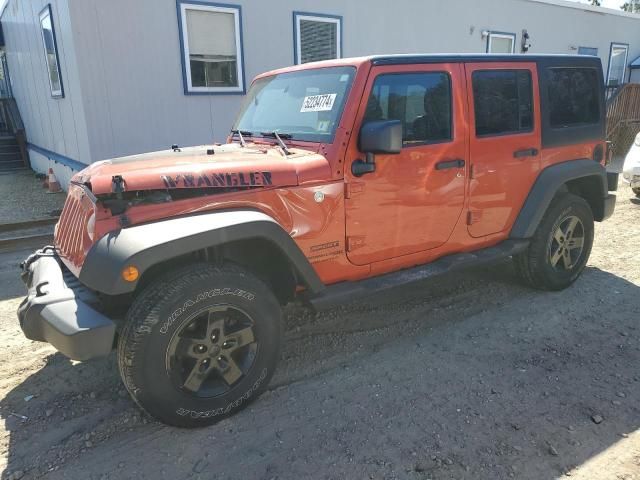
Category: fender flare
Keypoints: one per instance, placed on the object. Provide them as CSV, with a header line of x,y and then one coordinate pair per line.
x,y
545,188
149,244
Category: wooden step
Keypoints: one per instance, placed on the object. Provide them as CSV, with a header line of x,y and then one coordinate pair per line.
x,y
10,157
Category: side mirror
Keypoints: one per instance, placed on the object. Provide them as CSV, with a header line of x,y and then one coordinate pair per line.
x,y
383,136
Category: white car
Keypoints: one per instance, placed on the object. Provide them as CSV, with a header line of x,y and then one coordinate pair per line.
x,y
631,169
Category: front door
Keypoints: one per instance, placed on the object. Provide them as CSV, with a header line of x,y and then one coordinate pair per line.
x,y
504,143
413,200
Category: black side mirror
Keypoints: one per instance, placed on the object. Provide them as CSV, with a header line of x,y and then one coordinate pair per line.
x,y
383,136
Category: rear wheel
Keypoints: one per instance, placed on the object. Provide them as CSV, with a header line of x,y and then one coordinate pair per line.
x,y
200,344
560,247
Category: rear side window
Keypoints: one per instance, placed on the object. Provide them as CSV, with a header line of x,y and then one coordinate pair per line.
x,y
573,97
503,101
421,101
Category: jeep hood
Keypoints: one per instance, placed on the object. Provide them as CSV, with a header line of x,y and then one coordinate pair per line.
x,y
222,166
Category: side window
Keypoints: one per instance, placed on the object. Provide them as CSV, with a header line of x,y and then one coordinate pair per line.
x,y
51,52
573,97
317,37
503,101
421,101
212,48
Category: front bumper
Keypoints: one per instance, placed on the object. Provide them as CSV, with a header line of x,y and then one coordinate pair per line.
x,y
58,309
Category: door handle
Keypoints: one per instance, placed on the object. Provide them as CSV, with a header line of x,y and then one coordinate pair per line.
x,y
457,163
528,152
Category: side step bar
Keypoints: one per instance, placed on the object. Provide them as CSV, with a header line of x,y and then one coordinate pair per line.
x,y
345,292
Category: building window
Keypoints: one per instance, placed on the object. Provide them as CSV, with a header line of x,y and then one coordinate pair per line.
x,y
573,97
588,51
211,48
317,37
617,64
421,101
502,102
51,52
501,42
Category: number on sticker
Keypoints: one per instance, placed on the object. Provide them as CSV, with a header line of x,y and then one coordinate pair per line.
x,y
318,103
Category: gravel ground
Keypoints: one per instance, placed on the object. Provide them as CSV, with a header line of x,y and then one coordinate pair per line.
x,y
24,199
469,377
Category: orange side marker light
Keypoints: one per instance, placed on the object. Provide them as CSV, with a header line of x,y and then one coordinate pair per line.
x,y
130,273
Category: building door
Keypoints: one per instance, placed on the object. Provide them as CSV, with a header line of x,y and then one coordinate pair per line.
x,y
413,200
504,142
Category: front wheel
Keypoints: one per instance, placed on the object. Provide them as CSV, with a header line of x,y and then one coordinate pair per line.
x,y
560,247
199,344
636,191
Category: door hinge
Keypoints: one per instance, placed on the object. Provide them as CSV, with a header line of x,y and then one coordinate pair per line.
x,y
353,188
355,242
473,217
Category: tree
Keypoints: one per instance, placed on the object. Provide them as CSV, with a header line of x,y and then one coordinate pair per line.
x,y
595,3
632,6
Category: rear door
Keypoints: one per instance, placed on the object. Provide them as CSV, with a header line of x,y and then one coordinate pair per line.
x,y
505,143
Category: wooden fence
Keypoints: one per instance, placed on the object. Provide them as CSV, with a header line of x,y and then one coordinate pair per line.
x,y
623,118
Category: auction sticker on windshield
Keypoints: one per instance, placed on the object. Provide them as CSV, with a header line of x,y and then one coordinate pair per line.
x,y
318,103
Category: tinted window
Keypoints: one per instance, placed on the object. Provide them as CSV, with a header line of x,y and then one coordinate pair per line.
x,y
421,101
503,101
573,96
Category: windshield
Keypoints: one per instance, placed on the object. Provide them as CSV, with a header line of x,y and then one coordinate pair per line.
x,y
304,105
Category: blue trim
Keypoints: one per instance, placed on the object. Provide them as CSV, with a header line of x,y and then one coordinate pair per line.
x,y
496,32
622,44
56,157
55,47
297,14
205,3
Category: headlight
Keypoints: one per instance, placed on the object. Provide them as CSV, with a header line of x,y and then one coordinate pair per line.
x,y
637,142
91,225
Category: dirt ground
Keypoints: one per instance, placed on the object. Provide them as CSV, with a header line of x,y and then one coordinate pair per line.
x,y
24,198
468,377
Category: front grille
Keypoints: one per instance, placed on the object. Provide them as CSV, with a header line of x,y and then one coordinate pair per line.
x,y
71,238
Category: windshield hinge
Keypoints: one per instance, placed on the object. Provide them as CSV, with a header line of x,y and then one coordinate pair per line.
x,y
117,184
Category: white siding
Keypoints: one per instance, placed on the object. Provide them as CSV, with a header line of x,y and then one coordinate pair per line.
x,y
54,124
129,73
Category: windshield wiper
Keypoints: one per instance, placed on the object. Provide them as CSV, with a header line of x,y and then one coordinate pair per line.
x,y
279,137
241,134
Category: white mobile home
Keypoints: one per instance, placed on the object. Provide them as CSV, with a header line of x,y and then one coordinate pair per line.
x,y
97,79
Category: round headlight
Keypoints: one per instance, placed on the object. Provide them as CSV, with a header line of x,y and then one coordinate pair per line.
x,y
637,142
91,225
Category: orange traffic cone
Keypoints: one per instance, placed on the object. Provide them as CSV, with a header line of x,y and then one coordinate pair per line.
x,y
54,184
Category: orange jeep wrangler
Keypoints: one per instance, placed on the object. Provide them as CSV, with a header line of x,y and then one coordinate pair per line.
x,y
339,179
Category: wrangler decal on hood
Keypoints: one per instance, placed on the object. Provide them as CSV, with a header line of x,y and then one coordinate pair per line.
x,y
239,179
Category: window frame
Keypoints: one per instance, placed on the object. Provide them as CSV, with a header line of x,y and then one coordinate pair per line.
x,y
47,11
626,59
236,11
314,17
452,137
533,104
496,34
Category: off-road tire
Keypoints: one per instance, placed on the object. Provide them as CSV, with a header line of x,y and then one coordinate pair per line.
x,y
164,309
534,265
636,191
